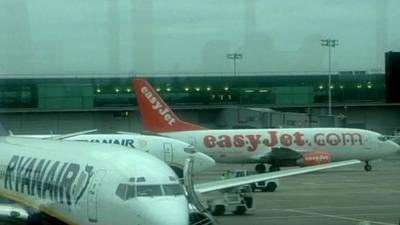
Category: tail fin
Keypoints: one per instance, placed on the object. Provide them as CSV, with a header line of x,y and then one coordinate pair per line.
x,y
156,114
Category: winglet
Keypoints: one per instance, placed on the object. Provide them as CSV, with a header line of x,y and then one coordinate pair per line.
x,y
156,114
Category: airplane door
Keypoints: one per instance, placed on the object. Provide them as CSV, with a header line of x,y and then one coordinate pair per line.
x,y
368,142
168,153
93,193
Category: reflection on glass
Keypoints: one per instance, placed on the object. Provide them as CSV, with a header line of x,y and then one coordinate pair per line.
x,y
148,190
173,189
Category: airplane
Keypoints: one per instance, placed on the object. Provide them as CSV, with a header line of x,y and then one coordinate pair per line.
x,y
277,147
68,182
80,183
172,151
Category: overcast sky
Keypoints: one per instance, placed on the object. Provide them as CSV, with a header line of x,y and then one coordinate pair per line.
x,y
101,36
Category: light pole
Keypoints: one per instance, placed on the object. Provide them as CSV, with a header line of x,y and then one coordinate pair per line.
x,y
330,43
234,57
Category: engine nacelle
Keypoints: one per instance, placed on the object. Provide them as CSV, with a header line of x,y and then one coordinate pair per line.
x,y
314,158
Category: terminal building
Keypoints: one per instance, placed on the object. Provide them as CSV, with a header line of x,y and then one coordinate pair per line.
x,y
62,103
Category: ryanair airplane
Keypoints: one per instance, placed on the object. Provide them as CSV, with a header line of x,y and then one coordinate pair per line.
x,y
80,183
64,182
173,152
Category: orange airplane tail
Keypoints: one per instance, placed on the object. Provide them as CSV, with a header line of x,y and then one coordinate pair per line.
x,y
156,114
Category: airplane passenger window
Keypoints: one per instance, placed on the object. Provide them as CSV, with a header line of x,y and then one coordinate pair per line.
x,y
173,189
148,190
141,179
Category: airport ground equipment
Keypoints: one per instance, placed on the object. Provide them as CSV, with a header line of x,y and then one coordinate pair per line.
x,y
238,200
266,186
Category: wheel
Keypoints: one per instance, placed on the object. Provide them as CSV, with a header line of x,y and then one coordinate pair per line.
x,y
367,167
219,210
274,168
271,187
260,168
240,210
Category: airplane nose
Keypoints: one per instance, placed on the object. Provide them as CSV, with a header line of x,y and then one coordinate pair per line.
x,y
202,162
167,211
394,147
397,146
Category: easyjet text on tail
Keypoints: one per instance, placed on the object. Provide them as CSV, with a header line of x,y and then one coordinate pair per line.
x,y
156,114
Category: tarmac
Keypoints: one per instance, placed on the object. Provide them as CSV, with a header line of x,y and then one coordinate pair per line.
x,y
341,196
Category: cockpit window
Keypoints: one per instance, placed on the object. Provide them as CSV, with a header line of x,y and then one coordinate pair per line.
x,y
129,191
382,138
148,190
190,150
173,189
121,191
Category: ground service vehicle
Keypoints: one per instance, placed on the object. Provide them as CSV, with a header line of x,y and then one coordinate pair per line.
x,y
266,186
238,200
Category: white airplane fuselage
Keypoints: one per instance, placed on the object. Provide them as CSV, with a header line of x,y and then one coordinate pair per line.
x,y
251,145
81,183
173,152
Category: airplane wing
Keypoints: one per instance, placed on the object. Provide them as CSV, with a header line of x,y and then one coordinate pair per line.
x,y
64,136
228,183
55,137
126,132
148,133
395,139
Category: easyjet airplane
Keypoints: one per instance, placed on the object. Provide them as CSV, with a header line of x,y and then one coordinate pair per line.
x,y
171,151
79,183
278,147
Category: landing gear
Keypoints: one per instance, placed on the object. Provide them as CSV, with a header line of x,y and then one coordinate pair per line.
x,y
367,166
274,168
260,168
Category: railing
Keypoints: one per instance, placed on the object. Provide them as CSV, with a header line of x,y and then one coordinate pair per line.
x,y
206,218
